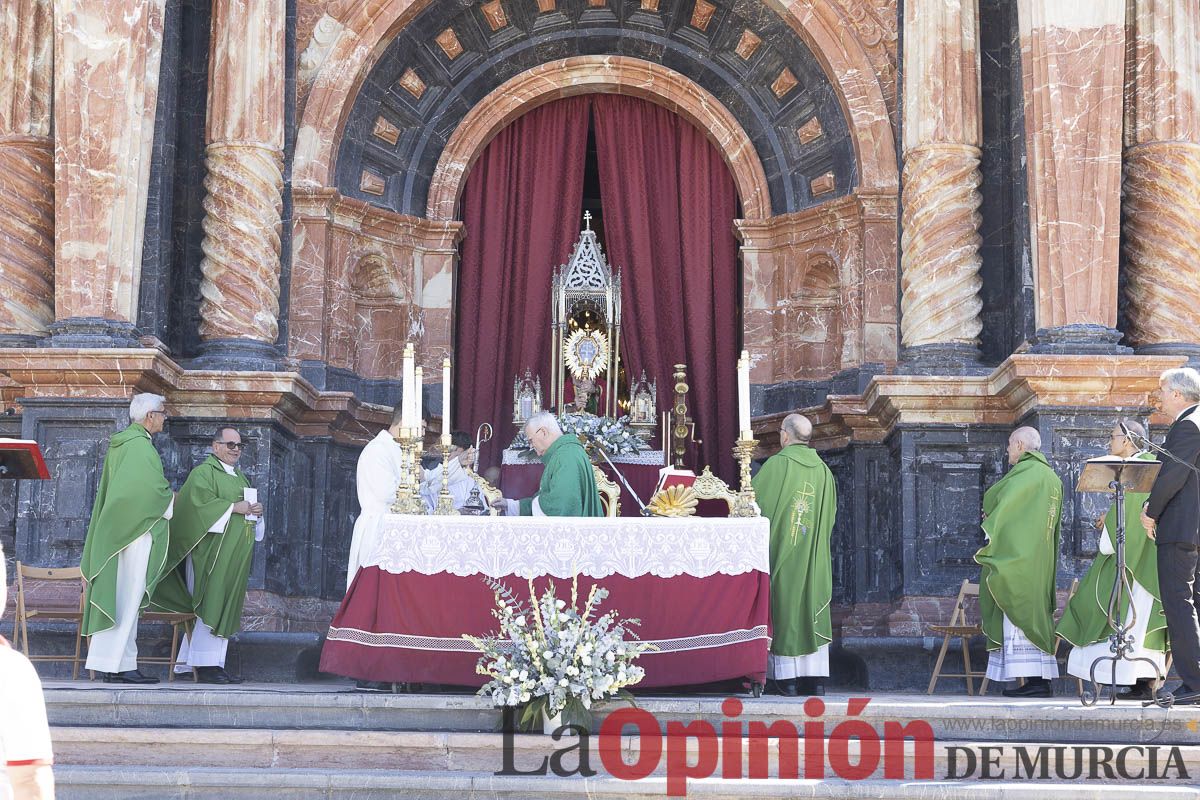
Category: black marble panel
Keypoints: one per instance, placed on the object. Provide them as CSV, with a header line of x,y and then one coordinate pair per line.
x,y
707,57
793,395
10,428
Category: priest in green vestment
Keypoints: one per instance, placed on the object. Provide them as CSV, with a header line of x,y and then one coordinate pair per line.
x,y
1021,515
212,543
796,492
126,544
568,485
1085,622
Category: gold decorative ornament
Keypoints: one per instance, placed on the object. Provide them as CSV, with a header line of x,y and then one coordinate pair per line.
x,y
586,353
674,501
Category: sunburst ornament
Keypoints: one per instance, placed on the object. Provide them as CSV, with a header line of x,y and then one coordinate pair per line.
x,y
586,353
674,501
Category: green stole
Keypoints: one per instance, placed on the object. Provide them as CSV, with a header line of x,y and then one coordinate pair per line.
x,y
568,485
1085,620
796,492
1022,514
220,561
132,497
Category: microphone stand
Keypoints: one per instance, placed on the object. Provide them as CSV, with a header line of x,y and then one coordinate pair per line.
x,y
600,447
1121,640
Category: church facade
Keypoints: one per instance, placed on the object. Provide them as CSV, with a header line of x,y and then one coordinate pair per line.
x,y
952,219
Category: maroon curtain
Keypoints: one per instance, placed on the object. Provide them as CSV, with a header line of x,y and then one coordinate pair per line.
x,y
669,205
521,208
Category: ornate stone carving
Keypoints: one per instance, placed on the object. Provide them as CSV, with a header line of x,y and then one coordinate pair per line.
x,y
810,131
385,130
493,12
27,231
324,35
748,44
240,288
823,184
784,83
371,182
411,82
940,246
702,14
448,41
1162,242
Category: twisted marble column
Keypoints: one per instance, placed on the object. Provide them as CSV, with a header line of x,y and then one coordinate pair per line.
x,y
240,288
940,260
940,218
1162,242
240,285
27,234
26,170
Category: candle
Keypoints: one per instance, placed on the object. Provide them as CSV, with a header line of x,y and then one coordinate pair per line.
x,y
406,399
418,420
744,396
445,397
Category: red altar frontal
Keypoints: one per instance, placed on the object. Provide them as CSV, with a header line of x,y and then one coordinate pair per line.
x,y
699,586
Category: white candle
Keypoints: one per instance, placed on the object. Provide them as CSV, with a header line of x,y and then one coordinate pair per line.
x,y
744,395
406,388
418,422
445,397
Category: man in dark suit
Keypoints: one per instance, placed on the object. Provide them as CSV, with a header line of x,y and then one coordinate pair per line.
x,y
1172,519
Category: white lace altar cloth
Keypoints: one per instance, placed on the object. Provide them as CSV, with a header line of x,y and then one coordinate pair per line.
x,y
644,457
565,546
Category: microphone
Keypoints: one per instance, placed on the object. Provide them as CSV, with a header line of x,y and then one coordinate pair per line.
x,y
604,454
1130,435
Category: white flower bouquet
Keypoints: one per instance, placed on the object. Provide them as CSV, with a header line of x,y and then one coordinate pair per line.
x,y
552,658
612,434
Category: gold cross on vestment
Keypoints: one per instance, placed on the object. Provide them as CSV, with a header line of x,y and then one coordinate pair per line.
x,y
802,507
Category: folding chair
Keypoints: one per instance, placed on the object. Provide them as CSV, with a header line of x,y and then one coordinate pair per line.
x,y
29,608
958,627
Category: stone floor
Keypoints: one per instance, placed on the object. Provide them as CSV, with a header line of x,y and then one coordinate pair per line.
x,y
325,740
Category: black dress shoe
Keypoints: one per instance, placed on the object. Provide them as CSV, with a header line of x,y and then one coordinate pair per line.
x,y
790,687
813,687
1185,696
212,675
1035,687
232,678
128,676
1142,690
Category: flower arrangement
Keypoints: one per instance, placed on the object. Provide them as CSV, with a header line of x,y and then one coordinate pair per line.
x,y
612,434
553,658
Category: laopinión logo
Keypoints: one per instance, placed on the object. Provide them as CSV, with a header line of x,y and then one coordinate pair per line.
x,y
695,749
852,750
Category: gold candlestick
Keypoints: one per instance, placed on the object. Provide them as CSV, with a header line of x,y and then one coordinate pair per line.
x,y
408,494
747,503
445,502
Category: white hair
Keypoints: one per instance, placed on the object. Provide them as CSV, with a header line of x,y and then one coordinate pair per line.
x,y
1184,380
1028,437
143,404
543,419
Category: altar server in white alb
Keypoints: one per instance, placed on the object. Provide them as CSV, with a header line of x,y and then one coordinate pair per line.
x,y
462,457
378,474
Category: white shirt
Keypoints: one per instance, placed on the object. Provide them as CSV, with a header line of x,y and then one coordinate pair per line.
x,y
24,732
378,475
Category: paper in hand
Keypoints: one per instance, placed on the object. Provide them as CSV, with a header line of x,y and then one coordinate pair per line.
x,y
250,495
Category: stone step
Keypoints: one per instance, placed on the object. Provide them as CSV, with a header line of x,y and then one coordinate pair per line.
x,y
338,707
107,783
484,752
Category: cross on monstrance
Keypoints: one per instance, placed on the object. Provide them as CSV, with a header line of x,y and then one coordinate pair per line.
x,y
587,220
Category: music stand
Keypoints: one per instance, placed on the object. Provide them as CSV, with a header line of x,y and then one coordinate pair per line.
x,y
1118,475
22,458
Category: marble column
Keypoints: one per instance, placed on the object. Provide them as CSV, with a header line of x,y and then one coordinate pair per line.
x,y
239,305
26,171
940,283
106,65
1162,178
1072,64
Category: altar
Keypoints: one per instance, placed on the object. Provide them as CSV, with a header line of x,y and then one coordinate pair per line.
x,y
520,476
701,588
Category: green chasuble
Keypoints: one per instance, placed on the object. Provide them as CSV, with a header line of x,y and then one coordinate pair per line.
x,y
1020,559
132,497
221,561
796,492
568,487
1085,620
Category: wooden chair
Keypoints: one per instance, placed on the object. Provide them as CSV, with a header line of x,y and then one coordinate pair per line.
x,y
30,608
176,621
610,493
958,627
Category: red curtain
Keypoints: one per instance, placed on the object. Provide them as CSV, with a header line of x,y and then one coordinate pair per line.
x,y
669,205
521,208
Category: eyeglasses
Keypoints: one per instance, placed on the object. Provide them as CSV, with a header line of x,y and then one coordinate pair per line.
x,y
232,445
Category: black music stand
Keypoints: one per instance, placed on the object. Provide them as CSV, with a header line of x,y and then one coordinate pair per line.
x,y
1118,475
22,458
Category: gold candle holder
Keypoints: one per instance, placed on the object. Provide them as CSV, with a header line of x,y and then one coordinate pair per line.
x,y
408,494
445,503
746,504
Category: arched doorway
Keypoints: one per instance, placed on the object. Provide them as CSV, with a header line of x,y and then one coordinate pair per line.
x,y
668,206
